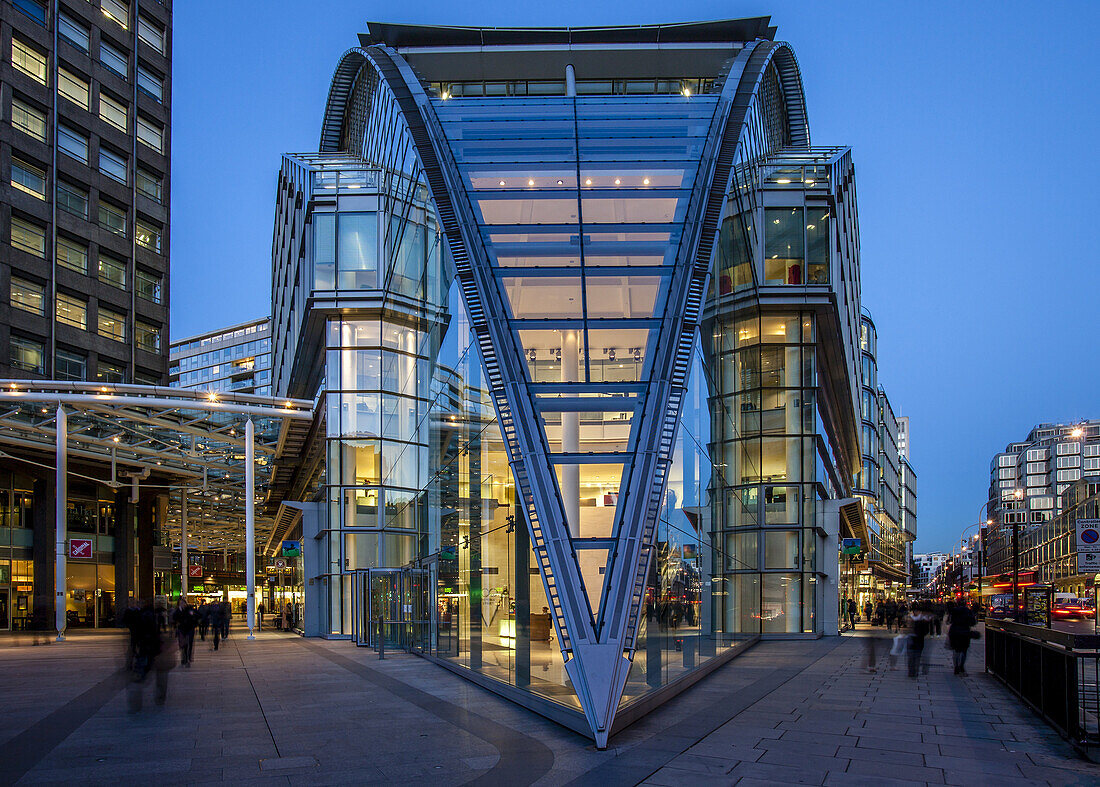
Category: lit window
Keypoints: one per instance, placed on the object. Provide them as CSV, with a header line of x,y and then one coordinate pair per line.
x,y
151,33
73,143
148,286
112,164
72,199
112,271
113,59
28,296
72,255
112,219
149,184
150,134
73,88
28,119
116,10
28,237
35,9
148,236
27,60
72,311
150,84
110,372
147,337
70,366
27,355
114,112
111,325
73,32
28,178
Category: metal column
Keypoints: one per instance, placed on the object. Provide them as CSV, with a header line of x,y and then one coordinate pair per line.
x,y
183,545
250,523
61,497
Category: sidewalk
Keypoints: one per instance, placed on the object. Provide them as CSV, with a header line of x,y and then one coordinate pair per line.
x,y
285,710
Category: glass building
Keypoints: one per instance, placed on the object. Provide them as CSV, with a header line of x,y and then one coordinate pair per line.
x,y
235,359
580,310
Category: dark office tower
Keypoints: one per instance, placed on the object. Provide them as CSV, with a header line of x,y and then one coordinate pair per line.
x,y
85,142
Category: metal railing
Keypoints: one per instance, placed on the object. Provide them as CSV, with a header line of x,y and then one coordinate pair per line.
x,y
1057,673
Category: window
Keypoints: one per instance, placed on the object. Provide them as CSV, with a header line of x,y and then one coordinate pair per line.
x,y
28,296
147,336
149,184
112,325
29,61
28,237
28,119
69,365
148,285
110,372
35,9
113,59
72,199
72,255
148,236
112,271
784,243
72,311
112,219
150,134
73,32
28,178
114,112
118,11
150,84
73,88
73,143
112,164
27,355
151,33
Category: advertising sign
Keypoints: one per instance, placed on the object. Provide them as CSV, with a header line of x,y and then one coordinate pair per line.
x,y
1088,562
280,563
1088,535
292,549
80,547
194,570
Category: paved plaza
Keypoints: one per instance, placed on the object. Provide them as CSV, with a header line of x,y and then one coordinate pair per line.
x,y
283,710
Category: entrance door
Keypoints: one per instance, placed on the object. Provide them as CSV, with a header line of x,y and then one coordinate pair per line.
x,y
5,610
401,597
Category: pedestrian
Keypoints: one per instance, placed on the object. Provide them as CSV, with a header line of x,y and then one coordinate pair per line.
x,y
287,614
921,624
260,617
151,654
851,610
937,617
891,614
216,613
880,612
227,615
185,620
959,635
903,611
204,619
868,610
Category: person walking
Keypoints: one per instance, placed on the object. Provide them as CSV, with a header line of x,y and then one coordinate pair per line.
x,y
850,609
216,623
259,617
937,618
287,613
227,616
959,635
868,610
151,654
903,611
920,625
891,614
185,620
204,620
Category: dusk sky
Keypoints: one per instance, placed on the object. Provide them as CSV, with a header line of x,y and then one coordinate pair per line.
x,y
971,126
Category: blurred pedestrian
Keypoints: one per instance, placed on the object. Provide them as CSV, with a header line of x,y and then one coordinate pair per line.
x,y
903,613
850,608
204,619
185,619
891,614
937,617
868,610
216,614
226,616
920,626
152,653
259,617
959,635
287,616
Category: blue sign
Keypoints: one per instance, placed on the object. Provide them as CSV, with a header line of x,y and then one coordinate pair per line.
x,y
292,549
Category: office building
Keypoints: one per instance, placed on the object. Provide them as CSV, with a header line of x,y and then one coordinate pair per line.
x,y
85,147
925,568
235,359
1027,482
886,484
584,328
1050,547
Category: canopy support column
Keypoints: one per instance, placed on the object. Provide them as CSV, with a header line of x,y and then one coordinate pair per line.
x,y
250,523
184,568
61,500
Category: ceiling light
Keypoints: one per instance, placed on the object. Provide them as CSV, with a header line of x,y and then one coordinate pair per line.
x,y
617,181
560,182
501,183
784,181
530,181
811,226
810,182
645,181
588,181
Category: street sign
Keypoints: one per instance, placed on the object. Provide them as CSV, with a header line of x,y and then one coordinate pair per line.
x,y
194,570
80,547
1088,562
1088,535
292,549
280,563
851,546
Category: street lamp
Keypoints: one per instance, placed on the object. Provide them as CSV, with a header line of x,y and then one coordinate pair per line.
x,y
1018,494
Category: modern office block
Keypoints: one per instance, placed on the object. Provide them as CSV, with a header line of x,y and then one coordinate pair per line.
x,y
85,146
581,310
235,359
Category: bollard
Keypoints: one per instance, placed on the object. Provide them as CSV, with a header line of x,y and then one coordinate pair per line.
x,y
381,639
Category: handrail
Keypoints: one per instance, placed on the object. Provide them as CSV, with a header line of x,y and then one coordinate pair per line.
x,y
1066,639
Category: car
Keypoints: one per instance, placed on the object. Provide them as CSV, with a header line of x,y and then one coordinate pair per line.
x,y
1070,609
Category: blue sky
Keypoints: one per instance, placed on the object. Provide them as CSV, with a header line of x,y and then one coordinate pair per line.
x,y
971,126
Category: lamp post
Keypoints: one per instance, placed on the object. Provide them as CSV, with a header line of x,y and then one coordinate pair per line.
x,y
1018,494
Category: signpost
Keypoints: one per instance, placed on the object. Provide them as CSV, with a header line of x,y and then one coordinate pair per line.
x,y
1088,546
80,547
